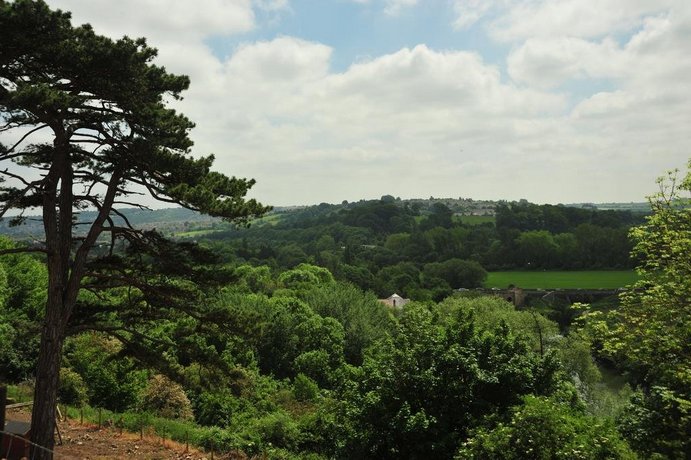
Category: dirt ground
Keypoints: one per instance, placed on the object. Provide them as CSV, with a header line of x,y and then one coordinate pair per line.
x,y
88,442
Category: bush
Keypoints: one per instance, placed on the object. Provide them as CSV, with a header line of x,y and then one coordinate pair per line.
x,y
279,430
314,365
166,398
543,428
72,389
218,408
112,381
304,388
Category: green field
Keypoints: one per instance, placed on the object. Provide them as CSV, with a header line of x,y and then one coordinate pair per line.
x,y
196,233
562,279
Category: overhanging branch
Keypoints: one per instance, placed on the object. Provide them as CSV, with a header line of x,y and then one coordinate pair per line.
x,y
21,250
38,128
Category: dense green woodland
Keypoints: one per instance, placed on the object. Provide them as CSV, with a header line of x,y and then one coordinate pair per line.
x,y
418,248
270,342
425,252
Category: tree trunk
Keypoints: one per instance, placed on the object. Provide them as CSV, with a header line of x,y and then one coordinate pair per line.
x,y
57,224
3,402
47,380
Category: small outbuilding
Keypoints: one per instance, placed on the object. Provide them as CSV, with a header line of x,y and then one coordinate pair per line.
x,y
395,301
15,440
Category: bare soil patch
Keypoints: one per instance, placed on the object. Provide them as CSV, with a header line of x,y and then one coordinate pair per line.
x,y
89,442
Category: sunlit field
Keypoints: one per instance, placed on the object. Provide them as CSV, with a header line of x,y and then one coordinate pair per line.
x,y
593,279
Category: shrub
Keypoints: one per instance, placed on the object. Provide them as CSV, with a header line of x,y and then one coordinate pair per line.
x,y
279,430
72,389
218,408
166,398
543,428
304,388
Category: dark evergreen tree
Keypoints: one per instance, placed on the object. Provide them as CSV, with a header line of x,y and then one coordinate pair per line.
x,y
101,103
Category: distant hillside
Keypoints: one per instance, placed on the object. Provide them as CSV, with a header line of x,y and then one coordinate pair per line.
x,y
642,207
169,220
183,222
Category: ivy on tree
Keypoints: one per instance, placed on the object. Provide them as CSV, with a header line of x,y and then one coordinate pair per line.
x,y
84,124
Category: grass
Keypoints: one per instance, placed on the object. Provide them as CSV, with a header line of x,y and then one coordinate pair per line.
x,y
20,393
271,219
196,233
611,279
177,430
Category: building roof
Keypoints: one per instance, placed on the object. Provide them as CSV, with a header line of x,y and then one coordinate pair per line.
x,y
17,427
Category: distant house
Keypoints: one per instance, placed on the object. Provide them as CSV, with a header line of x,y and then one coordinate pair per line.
x,y
395,301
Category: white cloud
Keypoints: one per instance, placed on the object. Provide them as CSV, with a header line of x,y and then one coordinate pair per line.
x,y
162,21
272,5
574,18
420,122
415,111
285,60
656,54
468,12
394,7
642,120
548,63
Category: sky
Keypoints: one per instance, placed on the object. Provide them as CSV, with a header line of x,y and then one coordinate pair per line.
x,y
554,101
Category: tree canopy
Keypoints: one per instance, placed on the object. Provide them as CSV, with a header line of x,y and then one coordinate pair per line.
x,y
650,334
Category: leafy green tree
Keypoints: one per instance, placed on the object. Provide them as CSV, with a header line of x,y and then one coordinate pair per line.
x,y
304,388
441,216
358,275
291,255
255,279
102,105
364,319
446,242
651,331
23,281
458,273
295,339
540,333
111,383
401,278
656,423
72,388
419,393
567,249
546,428
397,242
653,325
304,276
536,249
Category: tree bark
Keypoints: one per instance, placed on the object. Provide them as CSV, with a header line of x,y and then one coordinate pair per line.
x,y
58,230
47,379
3,402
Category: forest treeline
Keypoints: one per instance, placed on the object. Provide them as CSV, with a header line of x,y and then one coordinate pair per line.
x,y
424,252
